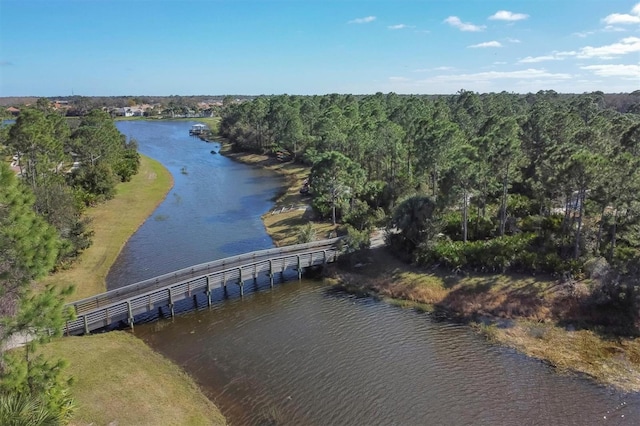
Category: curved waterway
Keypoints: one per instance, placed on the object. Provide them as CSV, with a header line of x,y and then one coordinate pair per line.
x,y
302,355
212,211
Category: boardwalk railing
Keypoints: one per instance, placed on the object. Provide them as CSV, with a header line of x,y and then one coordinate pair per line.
x,y
165,290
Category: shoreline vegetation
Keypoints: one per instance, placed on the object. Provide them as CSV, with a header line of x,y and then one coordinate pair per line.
x,y
118,379
522,312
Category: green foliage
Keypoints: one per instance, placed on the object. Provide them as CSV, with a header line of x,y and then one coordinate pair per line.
x,y
306,234
97,182
560,166
416,222
479,228
334,179
354,239
28,249
19,409
28,245
129,163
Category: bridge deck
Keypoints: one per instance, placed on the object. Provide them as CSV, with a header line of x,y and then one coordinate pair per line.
x,y
164,291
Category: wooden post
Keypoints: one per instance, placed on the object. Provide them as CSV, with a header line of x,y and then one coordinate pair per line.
x,y
271,273
324,256
299,269
208,292
86,325
241,283
171,302
130,318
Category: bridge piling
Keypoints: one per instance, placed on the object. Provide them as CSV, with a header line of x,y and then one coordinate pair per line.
x,y
271,273
240,283
208,291
171,303
130,315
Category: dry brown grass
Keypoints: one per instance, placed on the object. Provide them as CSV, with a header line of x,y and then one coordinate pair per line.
x,y
120,380
615,362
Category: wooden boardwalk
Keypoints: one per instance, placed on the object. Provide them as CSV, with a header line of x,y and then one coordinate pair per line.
x,y
125,303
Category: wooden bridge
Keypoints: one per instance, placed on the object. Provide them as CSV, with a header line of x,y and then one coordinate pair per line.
x,y
125,303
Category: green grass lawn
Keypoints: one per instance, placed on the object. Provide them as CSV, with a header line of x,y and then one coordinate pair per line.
x,y
118,380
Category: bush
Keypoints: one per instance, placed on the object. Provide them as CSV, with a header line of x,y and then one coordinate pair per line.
x,y
512,252
478,228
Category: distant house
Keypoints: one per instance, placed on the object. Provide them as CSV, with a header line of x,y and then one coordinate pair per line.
x,y
130,112
13,111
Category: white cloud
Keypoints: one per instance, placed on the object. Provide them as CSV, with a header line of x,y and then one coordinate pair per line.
x,y
619,70
454,21
530,73
513,40
613,29
536,59
364,20
399,26
584,34
624,18
621,19
505,15
625,46
492,43
421,70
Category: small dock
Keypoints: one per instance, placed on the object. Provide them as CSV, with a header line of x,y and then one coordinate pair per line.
x,y
198,130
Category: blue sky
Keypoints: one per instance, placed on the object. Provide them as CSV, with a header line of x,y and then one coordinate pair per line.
x,y
251,47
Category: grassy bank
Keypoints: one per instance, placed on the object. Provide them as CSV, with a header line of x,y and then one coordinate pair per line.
x,y
113,223
118,380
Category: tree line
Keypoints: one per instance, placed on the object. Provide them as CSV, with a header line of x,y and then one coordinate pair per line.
x,y
63,167
488,182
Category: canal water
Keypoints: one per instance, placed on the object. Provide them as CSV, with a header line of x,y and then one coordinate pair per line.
x,y
302,355
212,211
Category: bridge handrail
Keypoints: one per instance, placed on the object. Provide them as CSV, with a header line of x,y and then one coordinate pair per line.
x,y
121,292
180,283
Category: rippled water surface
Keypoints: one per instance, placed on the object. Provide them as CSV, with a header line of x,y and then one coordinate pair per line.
x,y
300,355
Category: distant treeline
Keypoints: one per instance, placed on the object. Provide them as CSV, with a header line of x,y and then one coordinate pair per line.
x,y
621,102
